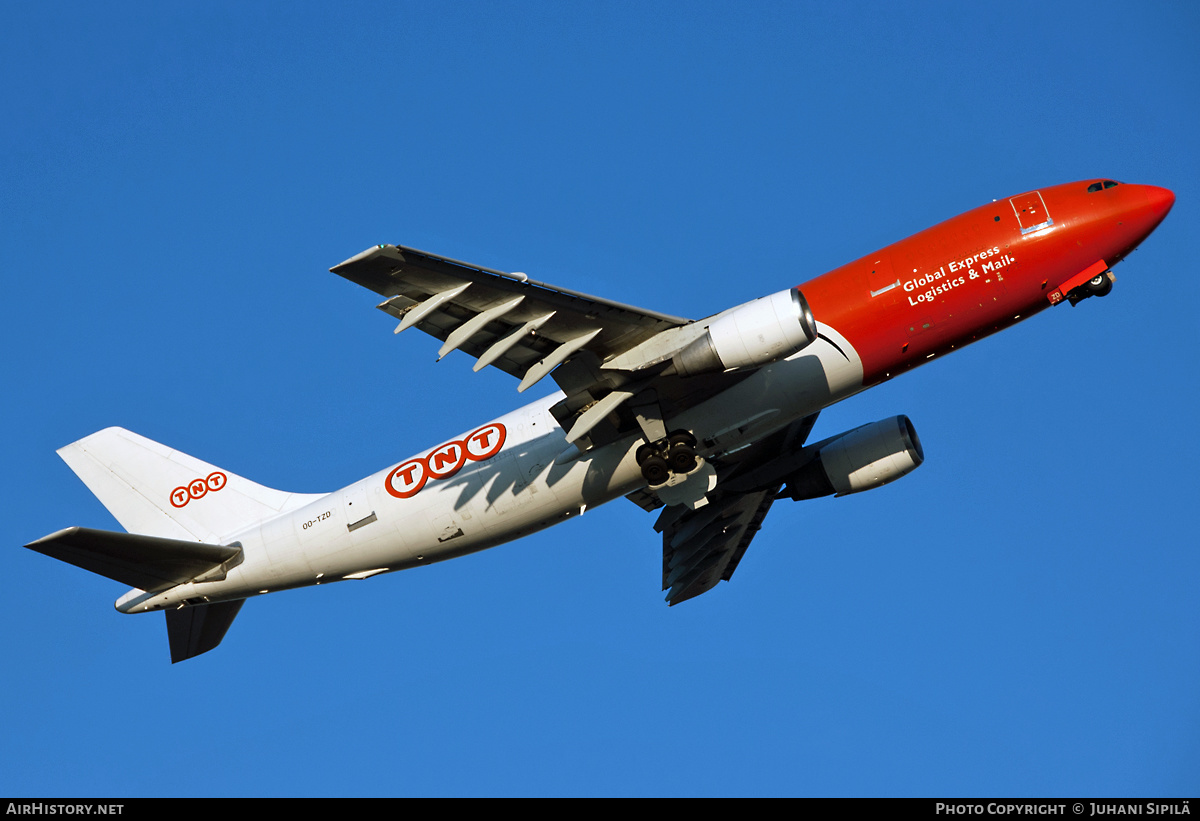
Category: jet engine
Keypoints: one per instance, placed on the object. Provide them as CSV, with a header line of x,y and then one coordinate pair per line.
x,y
751,335
864,458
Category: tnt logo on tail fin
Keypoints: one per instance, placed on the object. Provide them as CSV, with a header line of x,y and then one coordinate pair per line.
x,y
154,490
196,488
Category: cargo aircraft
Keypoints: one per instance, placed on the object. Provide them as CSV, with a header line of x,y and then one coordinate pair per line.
x,y
706,419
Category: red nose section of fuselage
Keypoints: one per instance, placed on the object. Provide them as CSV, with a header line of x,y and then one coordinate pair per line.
x,y
1131,213
981,271
1149,216
1159,202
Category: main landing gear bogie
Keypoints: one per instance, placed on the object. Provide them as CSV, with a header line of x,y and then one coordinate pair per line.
x,y
675,454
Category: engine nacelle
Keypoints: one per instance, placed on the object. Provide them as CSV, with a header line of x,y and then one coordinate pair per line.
x,y
751,335
858,460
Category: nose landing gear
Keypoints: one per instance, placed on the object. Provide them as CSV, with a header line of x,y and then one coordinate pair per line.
x,y
1099,285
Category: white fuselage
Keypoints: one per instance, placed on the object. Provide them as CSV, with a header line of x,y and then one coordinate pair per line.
x,y
391,521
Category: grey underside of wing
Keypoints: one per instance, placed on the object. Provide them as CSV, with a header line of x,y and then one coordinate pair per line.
x,y
606,357
414,281
148,563
701,547
704,546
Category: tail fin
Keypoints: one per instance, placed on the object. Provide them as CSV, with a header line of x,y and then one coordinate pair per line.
x,y
154,490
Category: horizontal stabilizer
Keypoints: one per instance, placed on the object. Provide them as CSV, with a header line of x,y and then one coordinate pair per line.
x,y
148,563
195,630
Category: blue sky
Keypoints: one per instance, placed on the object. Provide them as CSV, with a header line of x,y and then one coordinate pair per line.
x,y
1018,617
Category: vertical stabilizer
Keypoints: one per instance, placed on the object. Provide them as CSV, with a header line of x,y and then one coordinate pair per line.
x,y
154,490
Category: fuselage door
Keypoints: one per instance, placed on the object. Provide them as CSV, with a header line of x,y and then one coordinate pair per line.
x,y
882,281
1031,212
357,507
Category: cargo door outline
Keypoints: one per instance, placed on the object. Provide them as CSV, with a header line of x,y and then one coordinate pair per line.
x,y
1031,211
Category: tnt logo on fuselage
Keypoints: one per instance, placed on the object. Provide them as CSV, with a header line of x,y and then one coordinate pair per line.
x,y
446,460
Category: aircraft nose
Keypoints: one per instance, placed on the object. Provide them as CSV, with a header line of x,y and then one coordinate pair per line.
x,y
1161,200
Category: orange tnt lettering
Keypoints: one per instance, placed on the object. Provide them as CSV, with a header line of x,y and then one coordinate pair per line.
x,y
443,462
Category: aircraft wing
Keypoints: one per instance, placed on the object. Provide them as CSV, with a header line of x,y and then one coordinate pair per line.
x,y
523,327
701,547
704,545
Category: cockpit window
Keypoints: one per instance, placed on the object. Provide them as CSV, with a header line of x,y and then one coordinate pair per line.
x,y
1110,183
1096,186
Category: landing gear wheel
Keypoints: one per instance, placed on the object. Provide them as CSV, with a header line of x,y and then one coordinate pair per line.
x,y
655,470
1099,286
682,458
682,437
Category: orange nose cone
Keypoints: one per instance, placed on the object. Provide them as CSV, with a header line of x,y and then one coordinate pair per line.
x,y
1161,200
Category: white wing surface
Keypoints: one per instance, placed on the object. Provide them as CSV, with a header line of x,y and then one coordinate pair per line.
x,y
605,356
523,327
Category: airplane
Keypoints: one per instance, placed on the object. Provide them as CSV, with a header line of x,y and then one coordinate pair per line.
x,y
707,420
